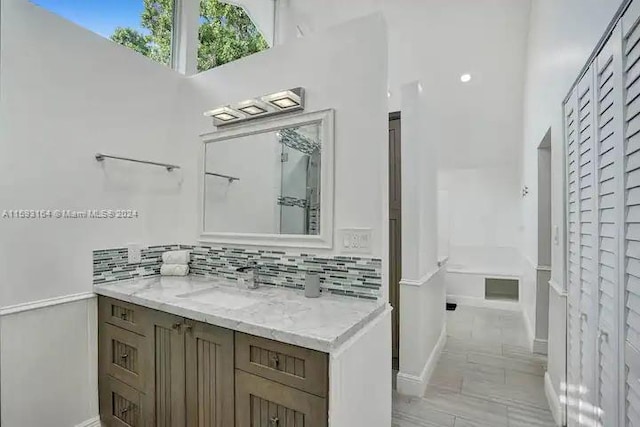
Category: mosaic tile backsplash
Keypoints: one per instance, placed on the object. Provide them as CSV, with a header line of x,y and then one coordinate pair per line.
x,y
358,277
111,264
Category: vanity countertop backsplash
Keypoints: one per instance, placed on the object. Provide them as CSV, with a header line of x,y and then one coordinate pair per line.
x,y
352,276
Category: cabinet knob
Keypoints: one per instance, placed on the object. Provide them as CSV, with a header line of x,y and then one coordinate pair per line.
x,y
176,326
275,421
123,316
187,327
124,356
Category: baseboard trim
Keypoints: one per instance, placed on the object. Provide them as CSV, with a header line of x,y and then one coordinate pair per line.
x,y
484,303
36,305
92,422
416,385
557,409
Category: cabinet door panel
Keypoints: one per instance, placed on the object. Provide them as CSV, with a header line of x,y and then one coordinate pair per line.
x,y
122,351
298,367
164,359
209,376
123,314
264,403
120,404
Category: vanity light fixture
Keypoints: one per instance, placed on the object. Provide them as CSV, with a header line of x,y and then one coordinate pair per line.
x,y
276,103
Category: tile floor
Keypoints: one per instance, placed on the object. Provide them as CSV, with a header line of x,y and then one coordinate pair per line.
x,y
485,377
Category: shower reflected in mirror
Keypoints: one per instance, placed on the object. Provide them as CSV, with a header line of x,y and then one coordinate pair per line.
x,y
265,183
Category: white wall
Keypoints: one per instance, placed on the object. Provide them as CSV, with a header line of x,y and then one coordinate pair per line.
x,y
444,224
484,219
422,287
248,205
66,94
561,37
362,363
344,69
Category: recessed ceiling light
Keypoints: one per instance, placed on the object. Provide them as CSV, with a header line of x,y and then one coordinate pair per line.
x,y
465,78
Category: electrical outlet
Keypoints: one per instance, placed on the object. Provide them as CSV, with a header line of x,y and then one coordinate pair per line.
x,y
356,240
134,253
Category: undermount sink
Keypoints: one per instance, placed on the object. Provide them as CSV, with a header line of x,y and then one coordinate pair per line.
x,y
224,298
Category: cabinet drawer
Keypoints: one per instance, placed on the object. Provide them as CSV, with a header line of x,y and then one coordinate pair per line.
x,y
123,355
297,367
264,403
122,314
120,405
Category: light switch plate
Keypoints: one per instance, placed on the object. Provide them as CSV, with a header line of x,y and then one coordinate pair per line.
x,y
556,235
355,240
134,253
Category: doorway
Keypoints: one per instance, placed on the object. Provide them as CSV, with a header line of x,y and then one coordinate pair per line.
x,y
395,232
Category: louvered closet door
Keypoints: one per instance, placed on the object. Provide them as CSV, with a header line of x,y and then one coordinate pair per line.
x,y
608,108
588,243
631,321
573,214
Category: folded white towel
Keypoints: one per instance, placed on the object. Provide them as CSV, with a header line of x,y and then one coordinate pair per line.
x,y
174,270
176,257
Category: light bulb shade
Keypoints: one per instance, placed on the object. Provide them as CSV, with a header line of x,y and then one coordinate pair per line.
x,y
224,115
292,99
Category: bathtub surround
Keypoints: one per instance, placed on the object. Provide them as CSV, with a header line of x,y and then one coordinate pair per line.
x,y
357,277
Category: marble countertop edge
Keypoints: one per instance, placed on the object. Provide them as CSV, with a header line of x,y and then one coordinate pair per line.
x,y
314,337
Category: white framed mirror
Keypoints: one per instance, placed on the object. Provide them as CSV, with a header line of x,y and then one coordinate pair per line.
x,y
269,183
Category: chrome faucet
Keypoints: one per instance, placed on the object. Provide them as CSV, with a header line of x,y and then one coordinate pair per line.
x,y
253,277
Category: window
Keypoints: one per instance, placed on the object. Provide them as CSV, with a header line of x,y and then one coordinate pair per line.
x,y
142,25
226,33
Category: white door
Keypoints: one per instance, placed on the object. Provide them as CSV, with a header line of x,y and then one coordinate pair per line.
x,y
588,245
573,241
608,107
602,134
631,286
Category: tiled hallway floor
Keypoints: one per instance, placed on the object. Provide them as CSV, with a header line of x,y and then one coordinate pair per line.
x,y
485,377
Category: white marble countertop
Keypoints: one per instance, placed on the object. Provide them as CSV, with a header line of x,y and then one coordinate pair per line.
x,y
276,313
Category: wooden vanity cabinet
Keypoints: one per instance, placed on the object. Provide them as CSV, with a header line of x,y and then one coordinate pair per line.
x,y
161,370
172,372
